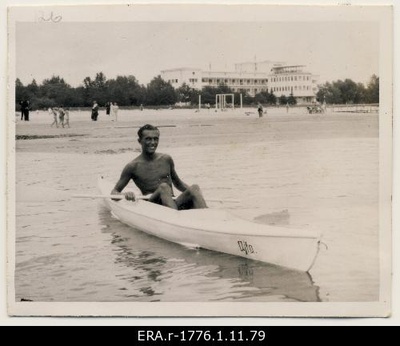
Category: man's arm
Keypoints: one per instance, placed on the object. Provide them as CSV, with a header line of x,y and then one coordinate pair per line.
x,y
126,176
178,183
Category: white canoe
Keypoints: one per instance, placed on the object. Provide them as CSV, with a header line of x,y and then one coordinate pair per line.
x,y
218,230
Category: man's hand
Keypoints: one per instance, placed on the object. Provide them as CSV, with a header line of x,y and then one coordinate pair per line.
x,y
130,196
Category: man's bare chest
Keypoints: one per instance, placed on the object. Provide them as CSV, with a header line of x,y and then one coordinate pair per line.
x,y
152,170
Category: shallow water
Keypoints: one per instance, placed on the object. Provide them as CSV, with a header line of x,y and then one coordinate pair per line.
x,y
74,250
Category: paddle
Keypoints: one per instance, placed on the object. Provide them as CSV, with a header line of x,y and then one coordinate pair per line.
x,y
109,196
146,198
39,194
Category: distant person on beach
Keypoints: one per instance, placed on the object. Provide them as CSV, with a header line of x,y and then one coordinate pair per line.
x,y
53,112
25,110
114,111
108,108
154,174
61,115
22,110
141,107
66,112
95,111
260,110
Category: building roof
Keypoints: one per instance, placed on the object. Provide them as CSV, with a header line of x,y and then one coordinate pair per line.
x,y
182,69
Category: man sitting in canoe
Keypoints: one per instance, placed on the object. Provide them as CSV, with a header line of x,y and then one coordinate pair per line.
x,y
154,174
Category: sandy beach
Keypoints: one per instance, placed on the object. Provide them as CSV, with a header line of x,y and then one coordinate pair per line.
x,y
317,172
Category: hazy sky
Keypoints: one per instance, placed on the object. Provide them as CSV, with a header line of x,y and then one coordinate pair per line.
x,y
333,50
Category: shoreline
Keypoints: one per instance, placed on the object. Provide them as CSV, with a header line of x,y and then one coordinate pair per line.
x,y
187,129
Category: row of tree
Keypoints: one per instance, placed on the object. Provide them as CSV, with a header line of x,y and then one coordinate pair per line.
x,y
349,92
126,91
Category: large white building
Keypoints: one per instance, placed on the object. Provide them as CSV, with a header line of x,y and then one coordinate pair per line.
x,y
251,78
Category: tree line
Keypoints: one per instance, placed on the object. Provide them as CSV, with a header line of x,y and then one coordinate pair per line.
x,y
349,92
126,91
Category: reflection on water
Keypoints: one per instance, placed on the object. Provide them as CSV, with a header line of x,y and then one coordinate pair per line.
x,y
159,270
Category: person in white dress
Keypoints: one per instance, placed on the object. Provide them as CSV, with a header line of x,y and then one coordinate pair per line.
x,y
114,110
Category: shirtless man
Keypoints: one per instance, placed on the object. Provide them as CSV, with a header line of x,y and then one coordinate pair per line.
x,y
154,174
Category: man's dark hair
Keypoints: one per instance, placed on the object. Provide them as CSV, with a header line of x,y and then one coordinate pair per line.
x,y
147,127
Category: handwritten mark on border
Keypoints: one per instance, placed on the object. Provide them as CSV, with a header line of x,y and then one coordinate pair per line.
x,y
42,17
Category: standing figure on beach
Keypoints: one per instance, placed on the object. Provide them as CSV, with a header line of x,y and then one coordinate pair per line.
x,y
53,112
108,108
141,107
61,115
260,110
25,110
155,175
66,112
22,110
95,111
114,111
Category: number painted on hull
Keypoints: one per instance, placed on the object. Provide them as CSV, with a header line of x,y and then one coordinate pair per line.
x,y
246,248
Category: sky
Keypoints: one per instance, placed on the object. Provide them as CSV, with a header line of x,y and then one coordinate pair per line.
x,y
73,51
